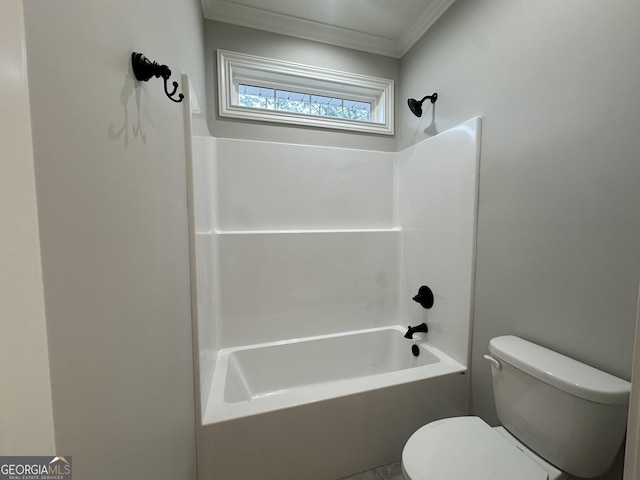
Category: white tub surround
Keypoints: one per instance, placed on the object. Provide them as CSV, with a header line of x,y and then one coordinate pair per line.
x,y
437,203
308,258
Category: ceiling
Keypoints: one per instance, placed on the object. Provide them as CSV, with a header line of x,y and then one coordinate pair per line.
x,y
385,27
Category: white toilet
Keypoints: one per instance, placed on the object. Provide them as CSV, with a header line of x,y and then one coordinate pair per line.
x,y
559,416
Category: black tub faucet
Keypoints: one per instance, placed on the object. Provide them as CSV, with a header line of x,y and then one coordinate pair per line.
x,y
418,328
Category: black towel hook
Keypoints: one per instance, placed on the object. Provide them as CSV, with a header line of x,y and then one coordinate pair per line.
x,y
144,69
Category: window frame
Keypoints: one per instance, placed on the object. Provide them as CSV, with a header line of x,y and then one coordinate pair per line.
x,y
240,68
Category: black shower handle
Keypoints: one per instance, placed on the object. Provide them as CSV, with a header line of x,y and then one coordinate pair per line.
x,y
424,297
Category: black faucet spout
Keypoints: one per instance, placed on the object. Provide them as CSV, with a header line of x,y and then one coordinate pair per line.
x,y
418,328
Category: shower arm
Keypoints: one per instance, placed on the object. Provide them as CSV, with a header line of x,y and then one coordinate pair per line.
x,y
433,98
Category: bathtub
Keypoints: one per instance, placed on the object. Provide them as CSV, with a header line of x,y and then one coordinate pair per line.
x,y
323,407
256,379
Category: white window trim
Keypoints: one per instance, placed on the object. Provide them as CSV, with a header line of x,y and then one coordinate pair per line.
x,y
235,68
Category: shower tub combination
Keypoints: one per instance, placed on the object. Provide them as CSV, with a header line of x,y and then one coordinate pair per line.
x,y
353,398
332,270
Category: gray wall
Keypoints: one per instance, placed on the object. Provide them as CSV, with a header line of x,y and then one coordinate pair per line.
x,y
558,251
246,40
26,415
109,159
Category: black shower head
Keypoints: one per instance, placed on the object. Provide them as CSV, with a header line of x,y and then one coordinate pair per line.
x,y
416,106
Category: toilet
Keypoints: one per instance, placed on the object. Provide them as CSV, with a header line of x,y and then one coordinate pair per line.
x,y
558,416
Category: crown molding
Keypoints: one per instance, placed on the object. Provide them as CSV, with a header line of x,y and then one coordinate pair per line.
x,y
246,16
424,22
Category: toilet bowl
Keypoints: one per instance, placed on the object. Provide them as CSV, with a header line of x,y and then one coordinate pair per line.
x,y
559,417
464,448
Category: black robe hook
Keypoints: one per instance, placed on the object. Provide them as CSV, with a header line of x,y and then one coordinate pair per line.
x,y
144,69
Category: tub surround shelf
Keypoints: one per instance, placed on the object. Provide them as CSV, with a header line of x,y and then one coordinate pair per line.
x,y
303,231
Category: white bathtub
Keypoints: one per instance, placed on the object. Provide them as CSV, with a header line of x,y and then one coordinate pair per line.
x,y
262,378
325,407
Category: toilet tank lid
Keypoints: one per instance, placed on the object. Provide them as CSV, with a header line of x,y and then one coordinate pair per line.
x,y
562,372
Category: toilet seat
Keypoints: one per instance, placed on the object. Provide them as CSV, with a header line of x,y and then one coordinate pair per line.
x,y
465,448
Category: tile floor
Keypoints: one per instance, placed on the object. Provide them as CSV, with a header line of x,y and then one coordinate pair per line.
x,y
393,471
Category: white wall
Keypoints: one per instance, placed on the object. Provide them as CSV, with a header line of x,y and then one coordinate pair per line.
x,y
110,174
559,210
272,45
26,416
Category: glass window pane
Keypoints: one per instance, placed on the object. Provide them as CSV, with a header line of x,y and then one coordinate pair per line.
x,y
292,102
296,102
326,106
357,110
255,97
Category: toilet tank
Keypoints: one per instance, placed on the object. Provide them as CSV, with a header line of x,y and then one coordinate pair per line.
x,y
571,414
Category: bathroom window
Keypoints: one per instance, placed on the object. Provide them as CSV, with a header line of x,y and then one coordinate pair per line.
x,y
304,103
257,88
